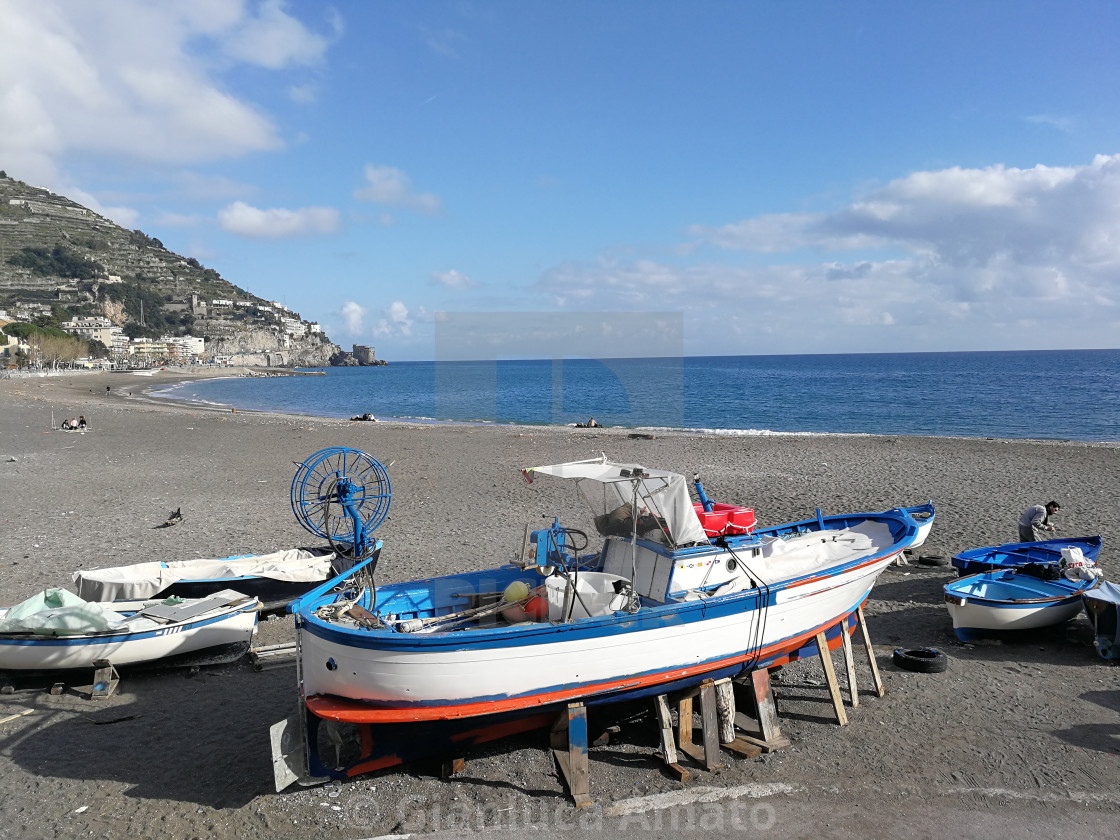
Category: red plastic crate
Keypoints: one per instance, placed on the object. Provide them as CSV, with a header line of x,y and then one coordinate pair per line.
x,y
725,519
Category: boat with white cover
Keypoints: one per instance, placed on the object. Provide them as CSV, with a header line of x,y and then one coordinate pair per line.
x,y
275,579
56,630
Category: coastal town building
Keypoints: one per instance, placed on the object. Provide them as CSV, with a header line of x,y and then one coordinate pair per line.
x,y
147,347
95,328
11,347
294,327
183,346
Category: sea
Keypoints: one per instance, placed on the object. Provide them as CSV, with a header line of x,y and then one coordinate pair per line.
x,y
1044,394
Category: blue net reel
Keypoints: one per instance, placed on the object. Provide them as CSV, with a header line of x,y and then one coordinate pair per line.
x,y
342,495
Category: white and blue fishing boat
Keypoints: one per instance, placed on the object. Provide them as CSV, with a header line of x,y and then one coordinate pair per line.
x,y
58,631
659,605
1012,555
1030,597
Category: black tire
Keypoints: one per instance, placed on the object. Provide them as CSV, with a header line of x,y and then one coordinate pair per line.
x,y
921,660
933,560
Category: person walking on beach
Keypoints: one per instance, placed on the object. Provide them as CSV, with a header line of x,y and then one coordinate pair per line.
x,y
1035,522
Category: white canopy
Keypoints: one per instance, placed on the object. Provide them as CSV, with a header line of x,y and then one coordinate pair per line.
x,y
665,511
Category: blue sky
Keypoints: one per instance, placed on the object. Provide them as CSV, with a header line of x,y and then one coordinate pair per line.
x,y
798,177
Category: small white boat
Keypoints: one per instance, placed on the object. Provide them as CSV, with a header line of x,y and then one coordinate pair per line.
x,y
1027,598
56,630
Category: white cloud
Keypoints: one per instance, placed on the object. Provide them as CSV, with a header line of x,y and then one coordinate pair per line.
x,y
246,220
452,279
958,215
996,257
974,234
389,185
394,323
138,80
353,315
274,39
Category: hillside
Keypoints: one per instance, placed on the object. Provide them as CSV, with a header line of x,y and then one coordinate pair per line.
x,y
61,258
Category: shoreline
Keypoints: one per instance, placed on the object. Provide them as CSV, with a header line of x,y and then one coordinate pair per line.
x,y
983,748
149,393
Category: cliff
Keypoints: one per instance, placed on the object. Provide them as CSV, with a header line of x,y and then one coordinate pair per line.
x,y
59,257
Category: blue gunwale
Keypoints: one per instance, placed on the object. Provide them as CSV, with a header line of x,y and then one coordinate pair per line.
x,y
652,615
1009,555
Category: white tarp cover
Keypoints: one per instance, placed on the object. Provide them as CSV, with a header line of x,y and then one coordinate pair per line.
x,y
662,499
816,551
58,612
144,580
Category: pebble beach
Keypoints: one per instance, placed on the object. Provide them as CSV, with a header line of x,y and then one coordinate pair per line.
x,y
1016,738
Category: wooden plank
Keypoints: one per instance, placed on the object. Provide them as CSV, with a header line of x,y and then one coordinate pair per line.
x,y
668,742
764,702
105,680
725,705
710,717
849,665
766,746
569,746
684,722
743,747
693,751
830,678
580,779
182,612
879,688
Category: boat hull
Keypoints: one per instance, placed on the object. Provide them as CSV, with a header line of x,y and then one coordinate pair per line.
x,y
234,626
408,739
997,603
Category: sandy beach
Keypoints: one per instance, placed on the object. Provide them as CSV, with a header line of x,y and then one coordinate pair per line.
x,y
1019,738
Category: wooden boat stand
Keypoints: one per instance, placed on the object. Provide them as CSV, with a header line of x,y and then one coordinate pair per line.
x,y
722,726
847,628
717,713
105,680
569,746
849,665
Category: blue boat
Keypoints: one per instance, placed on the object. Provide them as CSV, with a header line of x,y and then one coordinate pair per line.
x,y
1036,596
1011,555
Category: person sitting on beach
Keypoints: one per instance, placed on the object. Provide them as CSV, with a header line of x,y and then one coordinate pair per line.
x,y
1035,522
592,423
82,422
